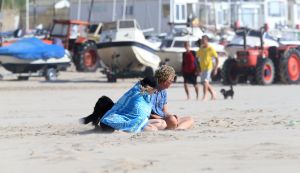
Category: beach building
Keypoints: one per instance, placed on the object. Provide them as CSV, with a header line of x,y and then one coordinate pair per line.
x,y
159,14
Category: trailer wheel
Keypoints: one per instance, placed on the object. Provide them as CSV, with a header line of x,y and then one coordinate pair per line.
x,y
23,77
265,71
228,73
289,67
111,78
51,74
86,58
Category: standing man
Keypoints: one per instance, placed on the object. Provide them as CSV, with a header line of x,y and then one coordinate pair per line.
x,y
206,53
190,70
165,76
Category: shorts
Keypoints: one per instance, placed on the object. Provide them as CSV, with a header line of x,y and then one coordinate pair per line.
x,y
190,78
206,76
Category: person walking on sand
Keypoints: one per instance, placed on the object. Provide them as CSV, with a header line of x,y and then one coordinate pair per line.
x,y
190,70
165,76
206,53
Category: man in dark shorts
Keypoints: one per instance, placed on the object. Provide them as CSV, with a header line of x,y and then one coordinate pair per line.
x,y
190,69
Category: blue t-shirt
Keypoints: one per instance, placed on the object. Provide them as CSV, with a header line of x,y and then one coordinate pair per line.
x,y
159,99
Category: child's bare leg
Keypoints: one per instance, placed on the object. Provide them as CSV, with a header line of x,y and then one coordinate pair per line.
x,y
160,124
185,123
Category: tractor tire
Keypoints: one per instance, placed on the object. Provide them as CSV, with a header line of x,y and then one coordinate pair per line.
x,y
289,67
228,73
274,55
265,71
86,58
217,77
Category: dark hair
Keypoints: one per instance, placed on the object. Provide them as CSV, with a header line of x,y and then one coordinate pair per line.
x,y
199,42
205,36
150,81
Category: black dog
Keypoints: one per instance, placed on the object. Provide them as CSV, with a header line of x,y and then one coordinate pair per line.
x,y
227,93
103,104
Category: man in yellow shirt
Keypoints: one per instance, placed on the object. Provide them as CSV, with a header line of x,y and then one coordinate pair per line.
x,y
205,54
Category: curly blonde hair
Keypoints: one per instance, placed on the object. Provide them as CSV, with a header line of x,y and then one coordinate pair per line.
x,y
164,73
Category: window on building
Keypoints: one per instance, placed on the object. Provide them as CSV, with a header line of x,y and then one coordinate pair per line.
x,y
166,10
129,10
298,12
180,13
276,9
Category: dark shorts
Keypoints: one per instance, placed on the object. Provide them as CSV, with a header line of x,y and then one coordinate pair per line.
x,y
190,78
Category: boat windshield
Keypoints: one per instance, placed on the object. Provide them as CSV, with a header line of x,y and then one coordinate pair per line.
x,y
179,44
126,24
194,44
166,43
109,26
60,29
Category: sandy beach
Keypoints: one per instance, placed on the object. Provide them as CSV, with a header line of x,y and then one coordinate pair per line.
x,y
40,131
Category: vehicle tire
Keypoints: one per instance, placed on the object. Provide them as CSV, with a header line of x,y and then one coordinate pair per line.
x,y
86,58
228,72
265,71
217,77
289,67
23,77
274,56
51,74
111,78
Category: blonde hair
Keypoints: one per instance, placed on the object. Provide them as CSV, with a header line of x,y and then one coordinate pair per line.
x,y
164,73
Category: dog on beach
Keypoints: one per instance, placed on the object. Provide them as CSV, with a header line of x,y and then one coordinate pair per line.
x,y
103,104
228,93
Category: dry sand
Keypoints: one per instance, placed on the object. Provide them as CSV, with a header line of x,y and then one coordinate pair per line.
x,y
40,132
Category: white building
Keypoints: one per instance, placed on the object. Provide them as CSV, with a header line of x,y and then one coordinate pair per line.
x,y
159,14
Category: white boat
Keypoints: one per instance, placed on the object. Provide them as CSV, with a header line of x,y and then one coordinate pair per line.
x,y
172,49
125,52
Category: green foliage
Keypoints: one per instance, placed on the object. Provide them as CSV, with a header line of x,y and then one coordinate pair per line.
x,y
13,4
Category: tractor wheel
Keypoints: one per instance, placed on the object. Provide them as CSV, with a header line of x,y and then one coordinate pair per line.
x,y
265,71
289,67
228,72
274,55
217,77
86,58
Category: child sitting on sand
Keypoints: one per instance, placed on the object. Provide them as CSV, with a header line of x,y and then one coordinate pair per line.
x,y
133,109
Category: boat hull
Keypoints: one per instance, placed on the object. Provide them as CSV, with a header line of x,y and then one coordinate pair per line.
x,y
16,65
128,57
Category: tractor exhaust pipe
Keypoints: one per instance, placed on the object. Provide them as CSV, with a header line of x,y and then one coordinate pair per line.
x,y
245,40
262,31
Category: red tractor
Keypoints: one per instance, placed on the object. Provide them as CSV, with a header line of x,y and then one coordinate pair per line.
x,y
263,65
83,48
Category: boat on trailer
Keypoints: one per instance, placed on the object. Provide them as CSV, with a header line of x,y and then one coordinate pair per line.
x,y
125,52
